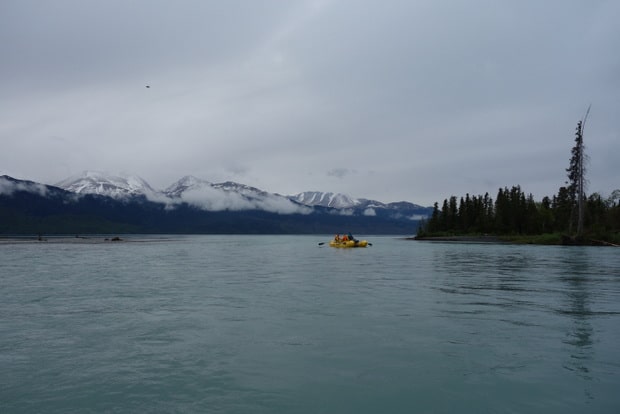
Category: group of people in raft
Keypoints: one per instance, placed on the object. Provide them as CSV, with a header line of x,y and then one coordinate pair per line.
x,y
345,237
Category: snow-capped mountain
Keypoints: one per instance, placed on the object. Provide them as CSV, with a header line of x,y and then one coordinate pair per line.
x,y
187,183
95,182
202,209
191,183
241,188
339,200
229,196
317,198
368,207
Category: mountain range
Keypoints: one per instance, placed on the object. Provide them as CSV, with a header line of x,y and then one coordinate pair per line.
x,y
92,182
95,202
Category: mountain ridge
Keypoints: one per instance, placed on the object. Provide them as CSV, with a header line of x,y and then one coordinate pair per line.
x,y
27,207
95,182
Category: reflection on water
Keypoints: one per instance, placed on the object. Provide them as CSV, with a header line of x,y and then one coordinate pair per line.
x,y
496,279
575,274
524,291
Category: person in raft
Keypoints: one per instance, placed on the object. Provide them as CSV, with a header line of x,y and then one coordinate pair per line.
x,y
350,237
337,237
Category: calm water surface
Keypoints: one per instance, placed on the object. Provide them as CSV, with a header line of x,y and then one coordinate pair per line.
x,y
277,324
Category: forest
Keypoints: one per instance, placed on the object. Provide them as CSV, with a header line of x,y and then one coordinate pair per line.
x,y
568,217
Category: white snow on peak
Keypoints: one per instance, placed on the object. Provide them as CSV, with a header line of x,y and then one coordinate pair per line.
x,y
187,183
241,188
96,182
325,199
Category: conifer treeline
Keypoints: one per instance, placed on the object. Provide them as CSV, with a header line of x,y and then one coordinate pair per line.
x,y
514,212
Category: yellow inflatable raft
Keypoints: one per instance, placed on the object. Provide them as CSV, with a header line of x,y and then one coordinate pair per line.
x,y
348,243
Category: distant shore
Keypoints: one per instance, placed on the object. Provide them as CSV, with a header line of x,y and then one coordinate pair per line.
x,y
460,239
537,240
97,239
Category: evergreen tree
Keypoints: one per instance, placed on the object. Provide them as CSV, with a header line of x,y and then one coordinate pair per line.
x,y
545,216
562,207
444,216
595,217
462,214
613,212
488,214
433,224
452,214
501,212
532,216
576,179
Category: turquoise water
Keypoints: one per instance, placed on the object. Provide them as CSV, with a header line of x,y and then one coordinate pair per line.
x,y
277,324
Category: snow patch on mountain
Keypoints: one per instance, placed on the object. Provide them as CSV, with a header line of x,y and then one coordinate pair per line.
x,y
185,184
242,189
325,199
96,182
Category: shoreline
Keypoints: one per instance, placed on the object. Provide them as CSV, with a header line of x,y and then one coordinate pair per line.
x,y
102,239
563,241
460,239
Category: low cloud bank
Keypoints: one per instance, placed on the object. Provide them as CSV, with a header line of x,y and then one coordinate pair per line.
x,y
8,187
214,199
204,197
370,212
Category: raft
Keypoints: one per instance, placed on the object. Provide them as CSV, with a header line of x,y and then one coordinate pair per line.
x,y
348,243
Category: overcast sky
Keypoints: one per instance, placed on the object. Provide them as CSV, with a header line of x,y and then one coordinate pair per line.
x,y
410,100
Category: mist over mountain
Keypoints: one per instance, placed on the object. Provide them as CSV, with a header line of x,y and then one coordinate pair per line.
x,y
227,195
100,203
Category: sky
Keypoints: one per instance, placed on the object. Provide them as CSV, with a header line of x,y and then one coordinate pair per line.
x,y
413,100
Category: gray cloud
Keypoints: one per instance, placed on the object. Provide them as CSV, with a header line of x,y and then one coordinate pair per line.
x,y
422,99
213,199
338,172
8,187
